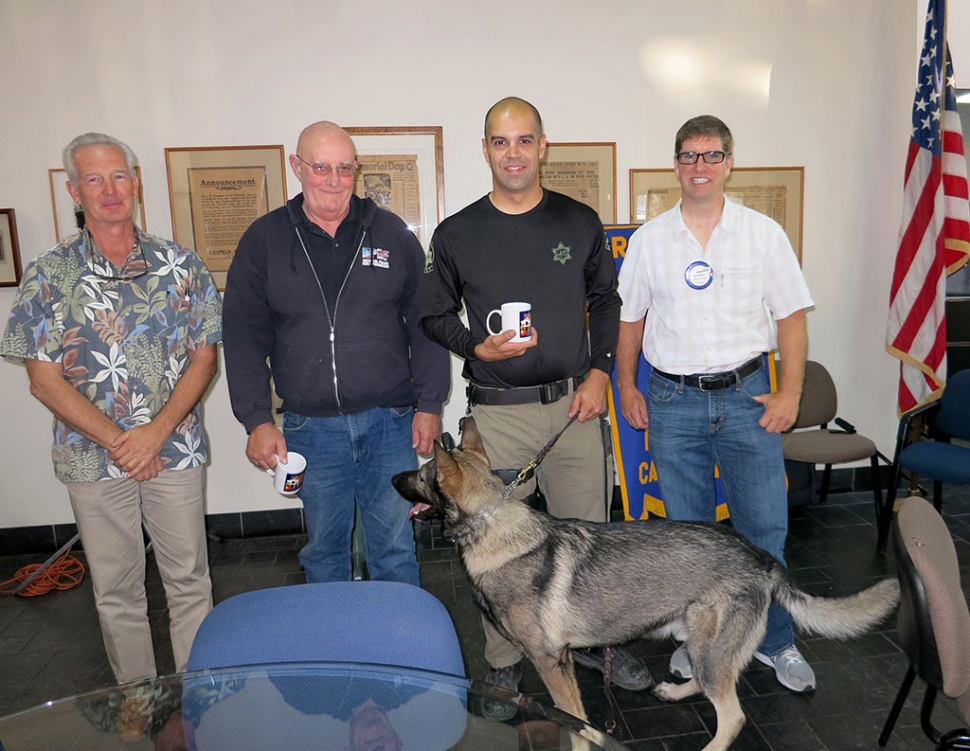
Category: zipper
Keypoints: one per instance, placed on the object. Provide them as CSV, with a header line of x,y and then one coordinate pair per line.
x,y
332,321
323,299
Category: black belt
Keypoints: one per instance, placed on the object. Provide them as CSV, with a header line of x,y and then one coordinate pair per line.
x,y
715,381
546,393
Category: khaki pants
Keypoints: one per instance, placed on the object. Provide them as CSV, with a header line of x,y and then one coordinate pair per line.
x,y
572,476
109,516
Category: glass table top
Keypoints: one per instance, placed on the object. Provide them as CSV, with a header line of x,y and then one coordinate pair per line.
x,y
297,706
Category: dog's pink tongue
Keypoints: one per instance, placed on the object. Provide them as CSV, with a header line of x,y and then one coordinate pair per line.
x,y
416,509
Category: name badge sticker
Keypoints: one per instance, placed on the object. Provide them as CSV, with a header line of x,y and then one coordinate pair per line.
x,y
699,275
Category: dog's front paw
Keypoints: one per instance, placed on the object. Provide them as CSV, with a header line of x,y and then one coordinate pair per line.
x,y
676,691
662,690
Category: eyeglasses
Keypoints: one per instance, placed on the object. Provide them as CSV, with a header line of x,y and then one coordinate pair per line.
x,y
710,157
134,268
322,169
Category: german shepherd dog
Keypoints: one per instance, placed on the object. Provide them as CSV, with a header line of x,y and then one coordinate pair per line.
x,y
553,585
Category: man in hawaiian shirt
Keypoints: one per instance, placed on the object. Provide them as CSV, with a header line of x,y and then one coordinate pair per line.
x,y
118,331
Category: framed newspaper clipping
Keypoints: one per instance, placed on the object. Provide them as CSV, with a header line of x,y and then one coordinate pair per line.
x,y
402,169
774,191
584,171
216,193
10,269
69,218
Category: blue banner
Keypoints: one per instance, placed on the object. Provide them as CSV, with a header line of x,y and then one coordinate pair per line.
x,y
637,474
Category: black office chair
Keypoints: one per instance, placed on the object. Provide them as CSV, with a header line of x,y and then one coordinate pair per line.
x,y
930,452
825,445
933,623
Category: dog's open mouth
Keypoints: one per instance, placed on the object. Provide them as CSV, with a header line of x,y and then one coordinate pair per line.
x,y
423,512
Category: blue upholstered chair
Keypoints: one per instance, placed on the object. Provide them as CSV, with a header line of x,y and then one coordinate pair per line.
x,y
936,457
269,639
384,623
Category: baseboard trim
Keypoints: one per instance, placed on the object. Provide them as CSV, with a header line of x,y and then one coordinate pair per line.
x,y
50,537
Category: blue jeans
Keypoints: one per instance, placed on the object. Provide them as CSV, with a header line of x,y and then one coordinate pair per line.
x,y
691,431
350,462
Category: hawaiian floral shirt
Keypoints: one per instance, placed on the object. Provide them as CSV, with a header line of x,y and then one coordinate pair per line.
x,y
123,337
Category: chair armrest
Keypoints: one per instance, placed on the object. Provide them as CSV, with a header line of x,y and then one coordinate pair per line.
x,y
906,424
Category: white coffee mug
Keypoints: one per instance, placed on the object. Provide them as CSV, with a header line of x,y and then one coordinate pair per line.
x,y
517,317
288,477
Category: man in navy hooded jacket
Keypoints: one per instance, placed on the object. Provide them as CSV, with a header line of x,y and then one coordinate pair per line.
x,y
323,289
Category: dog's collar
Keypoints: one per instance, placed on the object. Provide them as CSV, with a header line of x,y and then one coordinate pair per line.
x,y
524,474
482,516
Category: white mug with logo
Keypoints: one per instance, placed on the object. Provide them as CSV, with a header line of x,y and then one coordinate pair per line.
x,y
517,317
288,477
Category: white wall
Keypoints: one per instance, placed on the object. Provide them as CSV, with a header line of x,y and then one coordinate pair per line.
x,y
822,83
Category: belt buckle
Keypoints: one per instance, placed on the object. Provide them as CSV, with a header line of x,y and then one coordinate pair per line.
x,y
713,382
550,393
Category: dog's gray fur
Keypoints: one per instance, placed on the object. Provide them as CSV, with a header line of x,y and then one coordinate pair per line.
x,y
553,585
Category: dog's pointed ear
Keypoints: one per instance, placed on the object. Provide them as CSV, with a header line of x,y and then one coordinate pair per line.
x,y
471,439
449,473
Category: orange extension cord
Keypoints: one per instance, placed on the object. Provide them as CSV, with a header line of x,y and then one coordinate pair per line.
x,y
64,573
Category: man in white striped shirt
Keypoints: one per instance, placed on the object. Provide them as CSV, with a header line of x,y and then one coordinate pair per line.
x,y
707,287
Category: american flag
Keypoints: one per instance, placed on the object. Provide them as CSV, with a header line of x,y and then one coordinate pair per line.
x,y
934,239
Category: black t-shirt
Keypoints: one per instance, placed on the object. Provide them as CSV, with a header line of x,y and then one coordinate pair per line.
x,y
331,256
554,257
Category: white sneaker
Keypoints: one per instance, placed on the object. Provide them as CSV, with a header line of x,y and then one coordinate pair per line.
x,y
791,670
680,663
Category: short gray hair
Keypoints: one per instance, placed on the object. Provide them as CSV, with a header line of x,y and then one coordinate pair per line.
x,y
95,139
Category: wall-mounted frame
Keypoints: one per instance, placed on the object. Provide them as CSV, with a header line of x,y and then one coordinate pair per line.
x,y
216,193
402,169
584,171
68,218
10,270
774,191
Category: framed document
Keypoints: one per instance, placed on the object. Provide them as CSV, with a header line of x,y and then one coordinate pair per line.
x,y
68,218
584,171
216,193
774,191
402,169
10,270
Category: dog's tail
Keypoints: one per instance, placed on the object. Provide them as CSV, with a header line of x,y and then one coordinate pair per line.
x,y
837,617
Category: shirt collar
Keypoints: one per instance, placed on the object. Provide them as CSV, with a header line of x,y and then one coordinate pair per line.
x,y
136,261
353,215
730,217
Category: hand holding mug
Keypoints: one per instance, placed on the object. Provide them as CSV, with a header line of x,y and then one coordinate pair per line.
x,y
288,477
502,346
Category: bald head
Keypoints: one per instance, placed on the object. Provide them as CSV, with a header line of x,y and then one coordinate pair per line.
x,y
323,131
325,163
512,105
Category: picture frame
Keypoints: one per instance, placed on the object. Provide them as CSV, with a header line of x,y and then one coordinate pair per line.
x,y
10,269
584,171
402,169
66,222
777,192
215,193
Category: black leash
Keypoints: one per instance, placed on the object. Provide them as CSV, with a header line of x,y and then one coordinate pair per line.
x,y
528,471
612,706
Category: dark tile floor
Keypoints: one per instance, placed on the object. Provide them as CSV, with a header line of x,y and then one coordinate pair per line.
x,y
50,646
